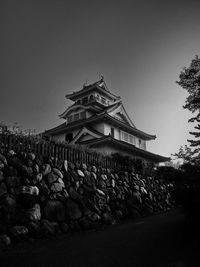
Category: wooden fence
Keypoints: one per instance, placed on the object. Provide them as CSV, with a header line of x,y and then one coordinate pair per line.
x,y
54,150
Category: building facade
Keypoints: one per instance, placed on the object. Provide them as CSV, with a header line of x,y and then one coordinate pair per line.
x,y
97,119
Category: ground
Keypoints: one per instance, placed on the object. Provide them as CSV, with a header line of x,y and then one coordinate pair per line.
x,y
163,240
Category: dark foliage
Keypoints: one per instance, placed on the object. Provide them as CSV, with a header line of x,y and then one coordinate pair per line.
x,y
189,80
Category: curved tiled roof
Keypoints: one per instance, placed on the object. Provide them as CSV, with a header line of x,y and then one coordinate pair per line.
x,y
103,88
64,127
128,147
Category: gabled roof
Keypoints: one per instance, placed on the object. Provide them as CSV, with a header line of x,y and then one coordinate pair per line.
x,y
126,147
99,86
89,131
117,109
76,106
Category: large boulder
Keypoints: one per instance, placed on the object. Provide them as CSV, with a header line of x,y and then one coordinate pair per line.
x,y
94,217
30,190
1,176
80,173
13,181
34,213
3,159
36,178
1,165
94,169
3,189
43,188
9,201
75,195
57,172
36,168
14,162
34,228
71,165
51,178
54,210
4,242
84,166
18,231
31,156
108,218
73,210
58,186
26,171
48,228
45,169
27,196
10,171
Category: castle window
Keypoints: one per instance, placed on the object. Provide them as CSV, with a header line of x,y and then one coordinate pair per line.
x,y
76,116
103,100
112,132
83,115
125,137
91,97
129,138
69,137
79,102
85,100
69,119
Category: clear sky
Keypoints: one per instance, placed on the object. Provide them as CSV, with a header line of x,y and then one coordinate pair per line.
x,y
50,48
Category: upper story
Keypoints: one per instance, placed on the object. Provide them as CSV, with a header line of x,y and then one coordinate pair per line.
x,y
92,100
96,94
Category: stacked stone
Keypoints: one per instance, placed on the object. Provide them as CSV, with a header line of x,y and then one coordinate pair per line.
x,y
41,196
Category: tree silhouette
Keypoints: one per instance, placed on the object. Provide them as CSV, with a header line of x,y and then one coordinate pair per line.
x,y
189,79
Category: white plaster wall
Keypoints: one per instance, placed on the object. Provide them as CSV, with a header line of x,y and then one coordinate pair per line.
x,y
143,145
107,130
99,126
88,114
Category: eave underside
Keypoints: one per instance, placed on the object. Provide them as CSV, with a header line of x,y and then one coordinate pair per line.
x,y
128,148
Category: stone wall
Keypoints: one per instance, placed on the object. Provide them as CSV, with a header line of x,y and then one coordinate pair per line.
x,y
43,196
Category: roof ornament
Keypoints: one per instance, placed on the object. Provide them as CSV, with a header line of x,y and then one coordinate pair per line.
x,y
102,78
101,81
85,84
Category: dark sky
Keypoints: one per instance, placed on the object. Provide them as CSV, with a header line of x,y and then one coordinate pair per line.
x,y
50,48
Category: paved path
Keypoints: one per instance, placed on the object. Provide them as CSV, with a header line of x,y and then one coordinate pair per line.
x,y
157,241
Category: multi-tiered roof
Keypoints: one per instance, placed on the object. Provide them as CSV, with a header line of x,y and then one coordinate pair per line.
x,y
95,104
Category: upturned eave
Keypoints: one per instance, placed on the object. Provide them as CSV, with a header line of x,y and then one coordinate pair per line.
x,y
126,147
104,117
73,96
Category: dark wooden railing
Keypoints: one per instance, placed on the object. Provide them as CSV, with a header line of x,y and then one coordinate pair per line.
x,y
59,151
